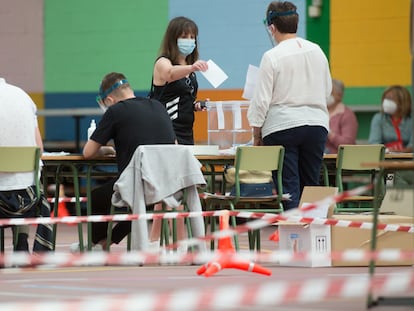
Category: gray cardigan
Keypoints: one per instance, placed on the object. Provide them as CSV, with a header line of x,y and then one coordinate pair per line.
x,y
159,173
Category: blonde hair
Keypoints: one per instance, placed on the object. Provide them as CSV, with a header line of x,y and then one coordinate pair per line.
x,y
402,99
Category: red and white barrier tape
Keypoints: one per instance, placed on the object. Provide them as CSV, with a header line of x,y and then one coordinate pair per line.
x,y
67,199
264,220
58,259
235,296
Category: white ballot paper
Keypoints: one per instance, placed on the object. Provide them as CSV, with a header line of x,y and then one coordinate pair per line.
x,y
214,74
250,84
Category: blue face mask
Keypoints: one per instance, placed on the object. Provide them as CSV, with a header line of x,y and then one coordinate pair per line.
x,y
186,46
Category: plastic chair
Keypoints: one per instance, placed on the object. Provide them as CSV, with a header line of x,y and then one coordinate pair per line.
x,y
19,159
349,169
259,158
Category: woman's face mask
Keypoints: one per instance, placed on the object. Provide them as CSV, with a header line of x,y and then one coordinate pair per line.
x,y
186,46
389,106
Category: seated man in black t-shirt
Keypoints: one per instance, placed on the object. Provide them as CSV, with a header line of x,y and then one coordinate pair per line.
x,y
130,122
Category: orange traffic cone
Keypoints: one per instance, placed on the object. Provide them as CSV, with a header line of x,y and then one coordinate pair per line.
x,y
225,244
62,210
226,255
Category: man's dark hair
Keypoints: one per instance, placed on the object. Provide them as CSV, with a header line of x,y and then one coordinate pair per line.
x,y
284,16
110,79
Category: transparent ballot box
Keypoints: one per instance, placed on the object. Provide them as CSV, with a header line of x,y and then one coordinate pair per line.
x,y
227,124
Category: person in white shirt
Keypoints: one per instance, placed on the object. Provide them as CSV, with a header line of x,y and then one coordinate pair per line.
x,y
19,127
289,102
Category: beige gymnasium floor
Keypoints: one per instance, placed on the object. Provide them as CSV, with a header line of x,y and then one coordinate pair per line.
x,y
178,287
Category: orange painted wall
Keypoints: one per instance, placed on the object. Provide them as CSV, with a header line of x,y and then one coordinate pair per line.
x,y
39,100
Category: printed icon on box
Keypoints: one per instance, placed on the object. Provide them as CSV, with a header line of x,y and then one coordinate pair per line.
x,y
294,242
321,244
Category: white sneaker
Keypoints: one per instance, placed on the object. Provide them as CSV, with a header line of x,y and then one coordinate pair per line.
x,y
182,249
154,247
74,248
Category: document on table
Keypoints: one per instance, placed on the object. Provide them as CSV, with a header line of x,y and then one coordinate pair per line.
x,y
214,74
57,154
250,84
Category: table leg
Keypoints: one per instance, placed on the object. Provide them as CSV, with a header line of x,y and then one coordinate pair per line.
x,y
77,204
376,207
56,202
88,205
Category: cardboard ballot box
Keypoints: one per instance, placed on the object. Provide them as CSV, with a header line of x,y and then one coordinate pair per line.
x,y
309,238
344,238
227,123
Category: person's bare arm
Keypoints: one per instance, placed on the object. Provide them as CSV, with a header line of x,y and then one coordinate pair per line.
x,y
93,149
165,71
38,138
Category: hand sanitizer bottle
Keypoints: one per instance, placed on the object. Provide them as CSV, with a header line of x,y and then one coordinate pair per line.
x,y
92,128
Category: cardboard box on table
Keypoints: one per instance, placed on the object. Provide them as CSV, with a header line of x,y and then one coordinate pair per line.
x,y
345,238
310,238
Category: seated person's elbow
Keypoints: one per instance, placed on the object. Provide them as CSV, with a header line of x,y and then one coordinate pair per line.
x,y
91,149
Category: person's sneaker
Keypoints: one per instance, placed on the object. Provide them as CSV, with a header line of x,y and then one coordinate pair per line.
x,y
74,248
154,247
182,249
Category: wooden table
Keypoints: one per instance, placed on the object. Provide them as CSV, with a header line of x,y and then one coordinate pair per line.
x,y
75,162
329,163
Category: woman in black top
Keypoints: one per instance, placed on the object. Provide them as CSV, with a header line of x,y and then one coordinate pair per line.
x,y
174,82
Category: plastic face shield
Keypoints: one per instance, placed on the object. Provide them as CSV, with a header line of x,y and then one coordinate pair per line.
x,y
268,21
104,94
269,33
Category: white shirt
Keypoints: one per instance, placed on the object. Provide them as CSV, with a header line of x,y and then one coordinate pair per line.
x,y
293,84
18,122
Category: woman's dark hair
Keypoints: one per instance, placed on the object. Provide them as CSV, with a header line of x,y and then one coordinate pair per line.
x,y
176,28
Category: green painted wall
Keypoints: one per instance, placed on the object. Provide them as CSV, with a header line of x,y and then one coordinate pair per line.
x,y
318,29
84,40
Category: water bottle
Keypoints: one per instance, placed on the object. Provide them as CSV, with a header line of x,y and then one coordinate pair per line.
x,y
92,128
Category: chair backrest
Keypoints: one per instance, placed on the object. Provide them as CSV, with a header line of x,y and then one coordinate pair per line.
x,y
260,158
350,157
19,159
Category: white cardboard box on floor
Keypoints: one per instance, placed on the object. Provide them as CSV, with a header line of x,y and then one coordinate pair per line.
x,y
310,238
298,238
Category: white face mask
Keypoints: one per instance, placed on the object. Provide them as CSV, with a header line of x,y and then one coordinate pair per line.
x,y
186,46
389,106
330,101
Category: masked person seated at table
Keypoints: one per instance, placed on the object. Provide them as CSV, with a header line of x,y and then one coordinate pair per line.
x,y
129,121
393,127
343,124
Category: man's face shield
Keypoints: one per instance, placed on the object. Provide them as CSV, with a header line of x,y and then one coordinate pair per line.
x,y
268,21
102,95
